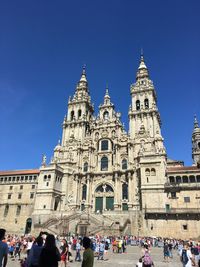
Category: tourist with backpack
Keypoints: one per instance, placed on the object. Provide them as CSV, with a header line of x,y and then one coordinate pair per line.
x,y
187,258
147,260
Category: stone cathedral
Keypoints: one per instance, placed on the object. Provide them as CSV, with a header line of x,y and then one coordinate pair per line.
x,y
103,180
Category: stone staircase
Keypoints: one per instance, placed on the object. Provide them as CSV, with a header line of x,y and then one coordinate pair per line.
x,y
55,224
96,224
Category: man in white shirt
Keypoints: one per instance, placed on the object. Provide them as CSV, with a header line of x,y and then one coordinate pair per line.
x,y
3,249
78,249
187,257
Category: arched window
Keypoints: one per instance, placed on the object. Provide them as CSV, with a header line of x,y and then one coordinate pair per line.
x,y
104,188
28,226
108,188
85,167
199,145
79,113
124,191
72,115
153,172
6,210
171,179
147,172
146,103
105,115
138,105
104,145
104,163
18,210
124,164
99,188
185,179
84,192
178,179
57,200
192,179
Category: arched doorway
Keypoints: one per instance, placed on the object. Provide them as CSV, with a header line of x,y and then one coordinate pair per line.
x,y
28,226
104,198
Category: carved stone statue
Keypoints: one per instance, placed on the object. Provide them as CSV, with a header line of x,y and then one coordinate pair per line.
x,y
44,160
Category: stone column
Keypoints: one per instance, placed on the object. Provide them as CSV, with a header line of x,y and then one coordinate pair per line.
x,y
87,203
117,192
131,190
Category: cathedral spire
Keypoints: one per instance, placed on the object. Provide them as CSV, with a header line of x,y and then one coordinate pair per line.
x,y
107,97
83,75
142,63
142,69
196,124
107,93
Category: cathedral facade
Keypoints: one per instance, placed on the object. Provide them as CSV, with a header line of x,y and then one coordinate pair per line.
x,y
104,180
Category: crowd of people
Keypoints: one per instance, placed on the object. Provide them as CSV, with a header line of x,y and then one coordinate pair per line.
x,y
48,250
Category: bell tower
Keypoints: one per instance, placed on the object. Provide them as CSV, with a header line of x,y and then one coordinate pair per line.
x,y
196,142
79,114
144,117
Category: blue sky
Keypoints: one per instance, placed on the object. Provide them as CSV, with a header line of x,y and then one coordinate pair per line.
x,y
44,44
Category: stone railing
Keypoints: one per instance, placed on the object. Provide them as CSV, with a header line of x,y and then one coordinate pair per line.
x,y
173,210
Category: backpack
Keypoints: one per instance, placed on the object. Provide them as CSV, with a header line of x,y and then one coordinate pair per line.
x,y
195,251
147,259
184,257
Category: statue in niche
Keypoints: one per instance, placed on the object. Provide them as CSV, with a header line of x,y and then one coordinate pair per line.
x,y
70,197
72,134
104,187
96,136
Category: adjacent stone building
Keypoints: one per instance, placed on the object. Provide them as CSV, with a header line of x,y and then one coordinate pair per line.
x,y
104,180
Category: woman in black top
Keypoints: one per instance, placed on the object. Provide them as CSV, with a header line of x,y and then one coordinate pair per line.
x,y
50,255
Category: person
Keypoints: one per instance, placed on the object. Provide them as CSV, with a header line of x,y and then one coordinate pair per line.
x,y
88,254
29,245
106,247
187,257
147,260
78,250
166,252
195,252
170,246
139,263
34,254
120,246
64,253
18,249
11,248
124,246
50,255
101,250
3,249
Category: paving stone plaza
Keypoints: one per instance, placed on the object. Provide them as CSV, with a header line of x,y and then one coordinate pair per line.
x,y
128,259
